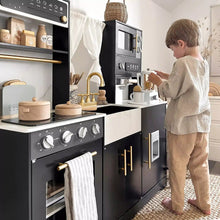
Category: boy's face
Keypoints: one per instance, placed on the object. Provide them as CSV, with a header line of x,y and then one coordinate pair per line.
x,y
179,49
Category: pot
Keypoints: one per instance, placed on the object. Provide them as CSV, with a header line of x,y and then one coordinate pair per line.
x,y
34,110
68,109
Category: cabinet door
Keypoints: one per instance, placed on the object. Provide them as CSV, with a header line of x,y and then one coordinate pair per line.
x,y
152,121
120,190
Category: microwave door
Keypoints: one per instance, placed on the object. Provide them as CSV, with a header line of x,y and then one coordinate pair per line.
x,y
125,43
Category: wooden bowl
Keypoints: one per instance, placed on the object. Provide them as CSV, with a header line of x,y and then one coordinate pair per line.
x,y
34,110
68,109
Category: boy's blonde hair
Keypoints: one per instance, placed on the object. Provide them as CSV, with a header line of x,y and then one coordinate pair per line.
x,y
186,30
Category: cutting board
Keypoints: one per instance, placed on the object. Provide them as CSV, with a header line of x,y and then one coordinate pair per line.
x,y
10,96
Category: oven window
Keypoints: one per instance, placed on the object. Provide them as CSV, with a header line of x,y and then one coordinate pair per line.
x,y
54,197
124,40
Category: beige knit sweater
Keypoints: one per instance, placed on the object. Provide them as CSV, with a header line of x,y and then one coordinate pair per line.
x,y
187,86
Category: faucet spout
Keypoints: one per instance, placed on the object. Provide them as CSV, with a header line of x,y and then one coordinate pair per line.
x,y
90,76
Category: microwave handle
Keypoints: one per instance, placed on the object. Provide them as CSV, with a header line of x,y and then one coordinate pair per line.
x,y
136,43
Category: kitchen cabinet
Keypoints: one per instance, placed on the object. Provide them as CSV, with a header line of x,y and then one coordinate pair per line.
x,y
120,190
152,130
214,138
60,51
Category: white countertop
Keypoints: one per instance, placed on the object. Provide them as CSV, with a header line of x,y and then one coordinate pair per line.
x,y
29,129
143,105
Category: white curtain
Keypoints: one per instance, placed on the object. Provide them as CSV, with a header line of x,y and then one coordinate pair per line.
x,y
77,24
92,38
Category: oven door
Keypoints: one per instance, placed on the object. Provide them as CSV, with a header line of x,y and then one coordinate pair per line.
x,y
48,182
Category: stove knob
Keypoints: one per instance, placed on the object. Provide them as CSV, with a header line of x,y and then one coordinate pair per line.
x,y
48,142
96,129
82,132
63,19
66,137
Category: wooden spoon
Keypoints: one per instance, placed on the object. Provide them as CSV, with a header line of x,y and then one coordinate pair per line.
x,y
71,78
79,77
76,78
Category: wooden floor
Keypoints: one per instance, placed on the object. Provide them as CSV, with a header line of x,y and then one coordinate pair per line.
x,y
214,167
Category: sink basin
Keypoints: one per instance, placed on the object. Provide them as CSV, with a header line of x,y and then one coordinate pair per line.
x,y
120,122
111,109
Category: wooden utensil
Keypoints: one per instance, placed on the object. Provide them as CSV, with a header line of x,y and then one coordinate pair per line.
x,y
80,76
77,76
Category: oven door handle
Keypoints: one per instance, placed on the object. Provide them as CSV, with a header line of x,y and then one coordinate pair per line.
x,y
65,165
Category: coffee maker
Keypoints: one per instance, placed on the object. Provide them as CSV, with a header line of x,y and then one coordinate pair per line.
x,y
120,60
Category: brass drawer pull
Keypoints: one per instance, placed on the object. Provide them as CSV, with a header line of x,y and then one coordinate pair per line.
x,y
149,151
125,162
131,159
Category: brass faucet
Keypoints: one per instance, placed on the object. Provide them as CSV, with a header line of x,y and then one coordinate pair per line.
x,y
88,80
89,102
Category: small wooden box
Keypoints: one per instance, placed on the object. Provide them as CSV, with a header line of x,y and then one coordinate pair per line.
x,y
16,26
28,38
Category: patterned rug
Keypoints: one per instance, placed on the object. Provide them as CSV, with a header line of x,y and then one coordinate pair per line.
x,y
153,210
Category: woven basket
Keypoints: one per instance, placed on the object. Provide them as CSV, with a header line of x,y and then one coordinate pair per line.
x,y
116,11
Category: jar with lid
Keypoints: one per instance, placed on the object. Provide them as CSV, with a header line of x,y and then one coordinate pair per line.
x,y
5,36
41,36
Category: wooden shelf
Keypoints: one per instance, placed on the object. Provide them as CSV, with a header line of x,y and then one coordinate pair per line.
x,y
30,49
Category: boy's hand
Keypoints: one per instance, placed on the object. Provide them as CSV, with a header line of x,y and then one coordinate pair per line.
x,y
162,75
155,79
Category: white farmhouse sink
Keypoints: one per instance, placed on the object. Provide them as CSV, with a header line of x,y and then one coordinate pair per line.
x,y
120,122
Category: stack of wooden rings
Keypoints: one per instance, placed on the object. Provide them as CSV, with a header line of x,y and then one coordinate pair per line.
x,y
101,99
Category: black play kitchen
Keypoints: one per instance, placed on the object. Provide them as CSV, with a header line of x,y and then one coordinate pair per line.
x,y
127,142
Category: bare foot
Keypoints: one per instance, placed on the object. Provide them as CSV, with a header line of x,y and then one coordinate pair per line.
x,y
167,203
194,203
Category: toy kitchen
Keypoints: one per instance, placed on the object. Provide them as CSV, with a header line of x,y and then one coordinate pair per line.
x,y
125,138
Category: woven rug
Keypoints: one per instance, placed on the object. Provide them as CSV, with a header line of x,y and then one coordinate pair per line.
x,y
153,210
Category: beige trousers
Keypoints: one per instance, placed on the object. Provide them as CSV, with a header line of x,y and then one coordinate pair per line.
x,y
188,151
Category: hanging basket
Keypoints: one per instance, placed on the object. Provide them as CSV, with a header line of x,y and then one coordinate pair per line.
x,y
116,11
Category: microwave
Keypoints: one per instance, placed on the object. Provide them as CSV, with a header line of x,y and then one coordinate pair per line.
x,y
120,59
129,40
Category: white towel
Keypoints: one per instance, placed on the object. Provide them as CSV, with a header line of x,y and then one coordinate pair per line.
x,y
79,189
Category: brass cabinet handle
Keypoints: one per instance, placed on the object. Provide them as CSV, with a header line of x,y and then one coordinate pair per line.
x,y
125,162
149,151
131,159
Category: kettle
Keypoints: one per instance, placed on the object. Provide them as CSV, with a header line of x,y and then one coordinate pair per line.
x,y
142,79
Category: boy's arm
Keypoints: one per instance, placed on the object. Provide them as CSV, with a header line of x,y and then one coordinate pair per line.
x,y
162,74
178,83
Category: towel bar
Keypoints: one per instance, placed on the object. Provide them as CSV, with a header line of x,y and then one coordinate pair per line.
x,y
64,165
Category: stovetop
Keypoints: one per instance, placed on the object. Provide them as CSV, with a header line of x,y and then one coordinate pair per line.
x,y
54,118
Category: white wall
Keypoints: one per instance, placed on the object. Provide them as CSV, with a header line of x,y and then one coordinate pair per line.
x,y
196,10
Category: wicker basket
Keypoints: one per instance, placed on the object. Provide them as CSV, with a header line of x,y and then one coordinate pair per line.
x,y
116,11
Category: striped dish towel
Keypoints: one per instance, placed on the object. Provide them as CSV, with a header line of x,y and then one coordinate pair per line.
x,y
79,189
